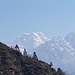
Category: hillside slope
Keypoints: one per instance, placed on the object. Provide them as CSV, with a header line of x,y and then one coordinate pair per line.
x,y
12,62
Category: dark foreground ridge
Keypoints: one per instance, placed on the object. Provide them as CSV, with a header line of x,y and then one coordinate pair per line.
x,y
12,62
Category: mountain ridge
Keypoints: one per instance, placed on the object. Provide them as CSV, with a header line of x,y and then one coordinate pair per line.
x,y
59,47
32,39
12,62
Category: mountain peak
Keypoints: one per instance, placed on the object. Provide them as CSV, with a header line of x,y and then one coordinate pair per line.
x,y
70,35
30,40
70,38
34,34
55,49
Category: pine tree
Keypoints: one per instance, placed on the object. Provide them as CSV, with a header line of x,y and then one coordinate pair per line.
x,y
51,64
34,55
60,72
24,52
17,47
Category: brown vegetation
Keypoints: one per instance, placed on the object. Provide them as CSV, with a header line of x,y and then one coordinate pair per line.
x,y
12,62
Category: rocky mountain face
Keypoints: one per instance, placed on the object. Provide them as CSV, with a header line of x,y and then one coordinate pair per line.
x,y
70,38
12,62
60,51
30,40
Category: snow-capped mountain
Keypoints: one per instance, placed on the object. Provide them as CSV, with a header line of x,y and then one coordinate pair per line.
x,y
70,38
60,51
30,40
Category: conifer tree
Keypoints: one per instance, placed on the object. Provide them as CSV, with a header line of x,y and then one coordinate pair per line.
x,y
34,55
24,52
17,47
60,72
51,64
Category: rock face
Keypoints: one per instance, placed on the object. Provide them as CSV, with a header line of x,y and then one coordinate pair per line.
x,y
30,40
70,38
13,63
60,51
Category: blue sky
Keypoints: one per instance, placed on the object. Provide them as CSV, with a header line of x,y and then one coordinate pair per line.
x,y
52,17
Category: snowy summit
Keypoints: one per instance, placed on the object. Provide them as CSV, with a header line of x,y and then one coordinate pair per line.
x,y
57,50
